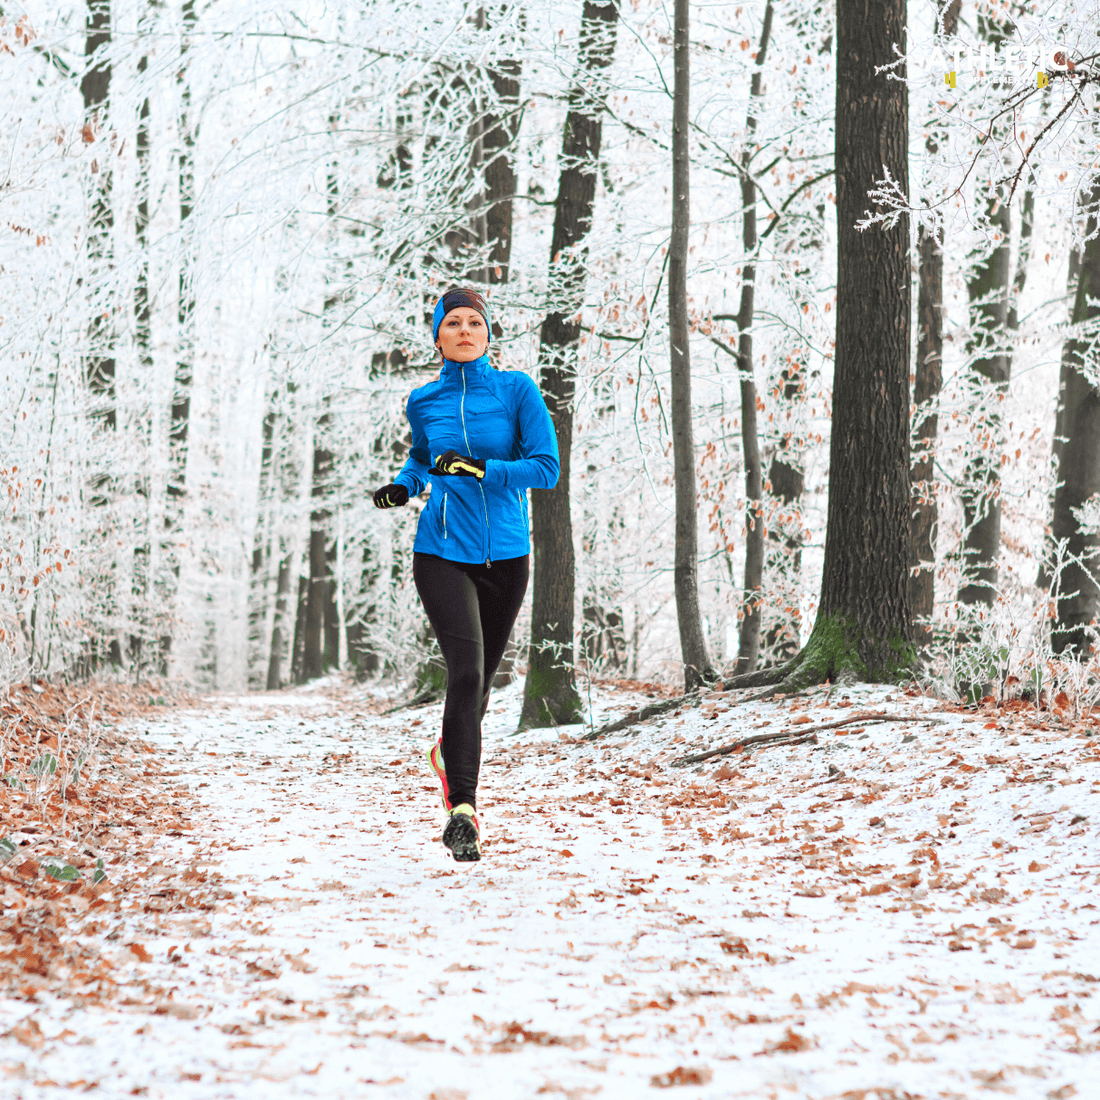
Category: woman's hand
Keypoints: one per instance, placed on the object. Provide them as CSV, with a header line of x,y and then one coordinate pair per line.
x,y
391,496
451,463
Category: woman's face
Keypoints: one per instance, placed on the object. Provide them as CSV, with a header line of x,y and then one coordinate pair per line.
x,y
463,335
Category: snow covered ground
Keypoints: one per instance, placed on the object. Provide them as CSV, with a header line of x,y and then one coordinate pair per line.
x,y
902,909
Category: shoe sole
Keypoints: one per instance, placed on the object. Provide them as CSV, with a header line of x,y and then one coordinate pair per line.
x,y
461,837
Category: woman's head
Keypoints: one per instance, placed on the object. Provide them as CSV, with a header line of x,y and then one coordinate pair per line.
x,y
461,325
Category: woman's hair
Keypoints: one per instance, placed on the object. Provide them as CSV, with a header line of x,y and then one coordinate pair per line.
x,y
454,298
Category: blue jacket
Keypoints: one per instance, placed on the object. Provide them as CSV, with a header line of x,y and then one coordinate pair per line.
x,y
498,416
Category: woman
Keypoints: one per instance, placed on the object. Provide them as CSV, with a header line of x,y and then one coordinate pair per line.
x,y
481,438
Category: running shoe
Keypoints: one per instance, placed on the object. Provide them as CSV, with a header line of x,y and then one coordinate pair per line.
x,y
462,834
435,762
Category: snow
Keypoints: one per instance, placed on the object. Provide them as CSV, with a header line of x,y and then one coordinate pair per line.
x,y
739,929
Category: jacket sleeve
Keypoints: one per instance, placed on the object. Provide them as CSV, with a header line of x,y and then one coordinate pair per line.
x,y
414,474
537,467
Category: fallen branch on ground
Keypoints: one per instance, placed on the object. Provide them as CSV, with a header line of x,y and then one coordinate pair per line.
x,y
416,701
761,738
640,715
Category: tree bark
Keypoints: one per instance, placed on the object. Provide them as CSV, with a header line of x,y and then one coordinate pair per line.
x,y
550,694
1077,595
499,130
278,639
927,384
96,87
863,625
748,649
319,596
693,646
181,398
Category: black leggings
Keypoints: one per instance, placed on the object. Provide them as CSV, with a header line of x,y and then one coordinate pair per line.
x,y
472,608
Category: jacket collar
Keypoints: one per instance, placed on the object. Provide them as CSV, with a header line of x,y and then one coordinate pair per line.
x,y
453,370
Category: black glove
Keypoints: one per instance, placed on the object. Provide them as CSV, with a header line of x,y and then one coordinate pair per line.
x,y
391,496
451,462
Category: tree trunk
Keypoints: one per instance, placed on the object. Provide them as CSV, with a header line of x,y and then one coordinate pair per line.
x,y
500,172
550,694
278,639
497,130
501,128
1044,579
748,649
693,646
95,87
863,625
989,289
1077,595
297,651
181,398
787,483
926,389
318,599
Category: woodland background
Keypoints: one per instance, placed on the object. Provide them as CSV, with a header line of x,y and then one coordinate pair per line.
x,y
223,226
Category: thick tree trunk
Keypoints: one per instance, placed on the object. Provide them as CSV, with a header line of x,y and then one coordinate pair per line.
x,y
550,694
748,650
1077,595
500,128
693,646
927,384
863,625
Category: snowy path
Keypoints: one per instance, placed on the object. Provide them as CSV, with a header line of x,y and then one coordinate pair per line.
x,y
753,929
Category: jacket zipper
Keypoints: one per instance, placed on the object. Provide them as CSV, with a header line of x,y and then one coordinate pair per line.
x,y
444,515
480,487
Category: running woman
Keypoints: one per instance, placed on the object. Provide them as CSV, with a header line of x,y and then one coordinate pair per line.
x,y
481,438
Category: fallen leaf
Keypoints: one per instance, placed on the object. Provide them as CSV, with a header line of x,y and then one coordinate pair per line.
x,y
791,1043
682,1075
28,1033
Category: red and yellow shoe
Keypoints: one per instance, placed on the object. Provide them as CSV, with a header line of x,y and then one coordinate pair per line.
x,y
462,833
435,762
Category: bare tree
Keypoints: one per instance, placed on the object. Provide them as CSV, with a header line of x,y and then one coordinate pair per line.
x,y
550,694
863,626
748,651
693,646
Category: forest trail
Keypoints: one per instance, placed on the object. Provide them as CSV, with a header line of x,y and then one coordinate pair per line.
x,y
900,910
